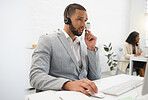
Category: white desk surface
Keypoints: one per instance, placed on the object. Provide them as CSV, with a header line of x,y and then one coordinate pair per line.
x,y
138,58
101,84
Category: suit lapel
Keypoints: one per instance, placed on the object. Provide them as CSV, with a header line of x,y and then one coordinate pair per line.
x,y
67,47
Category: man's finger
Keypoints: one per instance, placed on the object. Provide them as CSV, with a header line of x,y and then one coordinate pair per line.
x,y
82,90
92,85
88,87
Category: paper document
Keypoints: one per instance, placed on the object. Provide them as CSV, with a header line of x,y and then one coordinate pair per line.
x,y
47,95
58,95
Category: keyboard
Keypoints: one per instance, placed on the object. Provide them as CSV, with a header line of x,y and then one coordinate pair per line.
x,y
121,88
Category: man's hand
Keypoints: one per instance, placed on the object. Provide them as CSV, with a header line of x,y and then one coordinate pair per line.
x,y
81,86
90,40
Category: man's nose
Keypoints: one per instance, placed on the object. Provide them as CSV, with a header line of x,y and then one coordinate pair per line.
x,y
83,24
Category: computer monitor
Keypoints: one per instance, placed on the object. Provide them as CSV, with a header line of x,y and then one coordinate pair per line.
x,y
145,85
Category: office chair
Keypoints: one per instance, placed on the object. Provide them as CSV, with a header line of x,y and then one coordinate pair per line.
x,y
119,54
117,69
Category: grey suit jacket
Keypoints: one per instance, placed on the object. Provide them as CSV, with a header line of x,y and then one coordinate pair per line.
x,y
54,63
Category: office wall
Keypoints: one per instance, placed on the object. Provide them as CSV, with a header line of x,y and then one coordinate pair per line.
x,y
12,43
109,20
138,20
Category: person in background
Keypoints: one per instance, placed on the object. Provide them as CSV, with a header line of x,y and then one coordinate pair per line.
x,y
132,48
62,62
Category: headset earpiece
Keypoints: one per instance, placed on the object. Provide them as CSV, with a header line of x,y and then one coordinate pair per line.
x,y
66,19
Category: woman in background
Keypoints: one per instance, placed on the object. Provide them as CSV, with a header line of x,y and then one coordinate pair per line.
x,y
131,48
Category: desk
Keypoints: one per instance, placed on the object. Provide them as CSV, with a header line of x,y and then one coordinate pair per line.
x,y
138,58
101,84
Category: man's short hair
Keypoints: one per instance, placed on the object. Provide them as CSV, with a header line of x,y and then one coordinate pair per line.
x,y
70,9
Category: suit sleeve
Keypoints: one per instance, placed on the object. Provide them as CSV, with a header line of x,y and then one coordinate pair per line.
x,y
94,69
40,67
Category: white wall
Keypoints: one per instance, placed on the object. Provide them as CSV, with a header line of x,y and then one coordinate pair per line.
x,y
12,42
138,20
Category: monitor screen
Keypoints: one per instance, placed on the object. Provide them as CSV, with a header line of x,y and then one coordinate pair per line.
x,y
145,85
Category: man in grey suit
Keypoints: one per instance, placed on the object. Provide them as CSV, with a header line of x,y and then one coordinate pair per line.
x,y
62,62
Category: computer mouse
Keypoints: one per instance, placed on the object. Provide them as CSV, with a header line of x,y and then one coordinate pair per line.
x,y
97,95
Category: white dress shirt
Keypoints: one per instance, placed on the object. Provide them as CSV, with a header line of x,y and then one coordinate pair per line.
x,y
75,46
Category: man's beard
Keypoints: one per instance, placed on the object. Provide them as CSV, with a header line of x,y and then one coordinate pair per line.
x,y
75,32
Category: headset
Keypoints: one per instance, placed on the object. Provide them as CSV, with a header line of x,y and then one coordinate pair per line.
x,y
66,19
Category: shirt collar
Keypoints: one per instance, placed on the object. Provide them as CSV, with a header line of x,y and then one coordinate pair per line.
x,y
77,40
67,36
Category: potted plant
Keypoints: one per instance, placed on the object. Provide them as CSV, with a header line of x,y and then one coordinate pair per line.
x,y
112,63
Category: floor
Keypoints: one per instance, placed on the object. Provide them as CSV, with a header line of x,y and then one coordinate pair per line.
x,y
104,75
